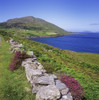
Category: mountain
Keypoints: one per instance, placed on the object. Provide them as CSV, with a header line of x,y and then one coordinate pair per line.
x,y
31,25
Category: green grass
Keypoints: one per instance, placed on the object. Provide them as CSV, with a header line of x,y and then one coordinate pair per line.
x,y
12,84
51,33
26,32
84,67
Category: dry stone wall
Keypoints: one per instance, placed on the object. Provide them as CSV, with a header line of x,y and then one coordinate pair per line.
x,y
46,86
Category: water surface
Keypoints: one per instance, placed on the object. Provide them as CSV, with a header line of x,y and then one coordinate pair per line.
x,y
75,42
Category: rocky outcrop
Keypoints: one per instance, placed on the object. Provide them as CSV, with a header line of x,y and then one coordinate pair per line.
x,y
46,86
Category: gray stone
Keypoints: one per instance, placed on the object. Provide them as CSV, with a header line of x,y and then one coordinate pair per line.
x,y
67,97
33,66
29,60
36,88
30,73
64,91
60,85
47,80
40,67
49,92
23,63
53,76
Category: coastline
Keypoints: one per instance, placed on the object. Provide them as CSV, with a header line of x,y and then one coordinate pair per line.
x,y
29,37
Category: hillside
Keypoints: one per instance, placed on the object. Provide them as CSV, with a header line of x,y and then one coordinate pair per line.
x,y
84,67
31,26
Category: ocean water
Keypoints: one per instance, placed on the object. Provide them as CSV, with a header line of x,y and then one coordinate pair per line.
x,y
76,42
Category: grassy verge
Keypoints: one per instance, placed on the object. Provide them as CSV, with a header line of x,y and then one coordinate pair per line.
x,y
61,62
12,84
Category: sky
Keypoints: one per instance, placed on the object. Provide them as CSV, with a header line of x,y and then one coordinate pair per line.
x,y
71,15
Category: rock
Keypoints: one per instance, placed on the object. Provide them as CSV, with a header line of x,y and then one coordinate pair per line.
x,y
49,92
45,80
23,63
40,67
33,66
64,91
17,49
30,73
19,46
16,45
60,85
54,76
36,88
11,40
30,53
67,97
34,57
29,60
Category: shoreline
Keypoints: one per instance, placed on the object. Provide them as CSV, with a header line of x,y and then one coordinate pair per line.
x,y
29,37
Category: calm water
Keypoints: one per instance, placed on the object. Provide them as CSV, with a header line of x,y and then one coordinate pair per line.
x,y
78,42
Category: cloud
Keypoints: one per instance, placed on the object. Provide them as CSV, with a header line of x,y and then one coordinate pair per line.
x,y
94,24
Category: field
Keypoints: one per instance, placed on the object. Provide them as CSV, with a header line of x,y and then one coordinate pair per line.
x,y
12,84
84,67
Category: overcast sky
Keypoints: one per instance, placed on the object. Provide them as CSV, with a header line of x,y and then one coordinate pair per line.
x,y
71,15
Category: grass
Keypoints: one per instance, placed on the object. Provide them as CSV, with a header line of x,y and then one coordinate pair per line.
x,y
26,32
83,67
12,84
51,33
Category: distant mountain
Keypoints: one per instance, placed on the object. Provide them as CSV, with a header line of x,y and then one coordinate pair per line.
x,y
33,24
87,32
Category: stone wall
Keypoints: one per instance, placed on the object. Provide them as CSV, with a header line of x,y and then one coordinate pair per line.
x,y
46,86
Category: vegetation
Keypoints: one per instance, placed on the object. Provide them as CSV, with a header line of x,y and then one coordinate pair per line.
x,y
12,84
61,62
74,86
17,60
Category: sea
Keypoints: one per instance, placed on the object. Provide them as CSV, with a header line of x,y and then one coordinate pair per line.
x,y
76,42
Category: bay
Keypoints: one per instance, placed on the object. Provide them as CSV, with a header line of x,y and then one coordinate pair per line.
x,y
75,42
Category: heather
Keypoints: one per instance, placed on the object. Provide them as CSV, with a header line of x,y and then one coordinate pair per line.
x,y
74,86
17,59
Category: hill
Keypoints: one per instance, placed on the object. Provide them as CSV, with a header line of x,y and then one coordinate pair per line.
x,y
31,26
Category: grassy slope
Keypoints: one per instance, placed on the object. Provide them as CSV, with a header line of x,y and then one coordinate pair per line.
x,y
26,33
12,84
77,65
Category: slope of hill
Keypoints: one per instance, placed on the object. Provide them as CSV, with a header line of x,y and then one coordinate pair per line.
x,y
31,26
84,67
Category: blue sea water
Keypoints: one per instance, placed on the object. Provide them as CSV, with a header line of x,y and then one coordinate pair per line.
x,y
76,42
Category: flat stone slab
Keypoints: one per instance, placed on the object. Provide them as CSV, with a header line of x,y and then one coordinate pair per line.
x,y
49,92
60,85
47,80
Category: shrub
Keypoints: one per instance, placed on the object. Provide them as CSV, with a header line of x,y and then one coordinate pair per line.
x,y
74,86
17,60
